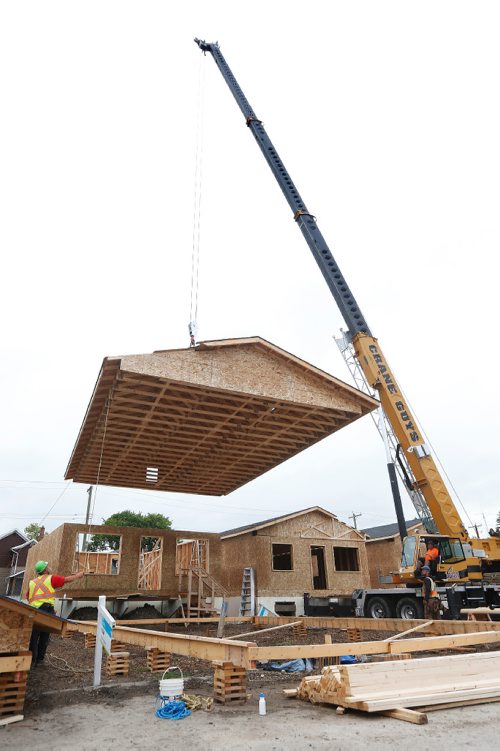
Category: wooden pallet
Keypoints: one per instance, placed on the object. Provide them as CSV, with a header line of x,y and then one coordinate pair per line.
x,y
117,663
300,629
156,660
12,693
230,683
353,634
118,646
324,661
90,641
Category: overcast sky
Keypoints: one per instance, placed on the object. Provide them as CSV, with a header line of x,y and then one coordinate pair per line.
x,y
386,115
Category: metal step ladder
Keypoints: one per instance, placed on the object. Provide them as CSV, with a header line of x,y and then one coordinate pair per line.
x,y
247,605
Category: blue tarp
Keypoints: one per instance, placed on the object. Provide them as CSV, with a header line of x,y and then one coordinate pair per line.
x,y
290,666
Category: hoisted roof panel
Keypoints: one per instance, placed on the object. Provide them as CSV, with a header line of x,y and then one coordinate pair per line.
x,y
206,419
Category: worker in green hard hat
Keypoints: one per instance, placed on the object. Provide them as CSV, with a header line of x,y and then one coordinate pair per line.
x,y
41,594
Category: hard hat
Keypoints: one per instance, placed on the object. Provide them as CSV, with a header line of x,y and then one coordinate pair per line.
x,y
40,566
426,568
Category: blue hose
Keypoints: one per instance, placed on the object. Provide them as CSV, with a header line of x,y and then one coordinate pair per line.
x,y
172,710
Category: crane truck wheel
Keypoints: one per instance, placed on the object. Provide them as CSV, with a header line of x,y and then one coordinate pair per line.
x,y
378,607
407,608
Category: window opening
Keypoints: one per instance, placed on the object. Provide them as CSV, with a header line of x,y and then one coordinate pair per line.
x,y
451,551
97,554
346,559
282,557
191,554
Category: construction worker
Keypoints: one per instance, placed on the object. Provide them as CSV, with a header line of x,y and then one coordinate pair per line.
x,y
430,559
432,556
430,596
41,595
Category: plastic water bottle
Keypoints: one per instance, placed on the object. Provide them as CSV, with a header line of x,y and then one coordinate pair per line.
x,y
262,704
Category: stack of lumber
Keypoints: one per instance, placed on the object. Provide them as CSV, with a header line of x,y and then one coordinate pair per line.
x,y
439,682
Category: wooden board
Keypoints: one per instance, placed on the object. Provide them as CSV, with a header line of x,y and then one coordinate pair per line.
x,y
203,647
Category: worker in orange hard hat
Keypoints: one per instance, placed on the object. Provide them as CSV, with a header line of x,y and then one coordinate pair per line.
x,y
41,594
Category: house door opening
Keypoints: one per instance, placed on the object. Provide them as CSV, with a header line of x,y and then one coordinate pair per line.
x,y
318,567
150,555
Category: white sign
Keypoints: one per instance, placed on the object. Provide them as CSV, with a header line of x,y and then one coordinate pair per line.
x,y
104,636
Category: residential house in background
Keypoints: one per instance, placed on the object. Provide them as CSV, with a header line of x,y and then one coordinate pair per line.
x,y
14,547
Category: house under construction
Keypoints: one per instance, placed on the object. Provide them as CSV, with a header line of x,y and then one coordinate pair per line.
x,y
270,564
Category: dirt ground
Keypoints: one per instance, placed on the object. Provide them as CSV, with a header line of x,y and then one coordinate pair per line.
x,y
63,711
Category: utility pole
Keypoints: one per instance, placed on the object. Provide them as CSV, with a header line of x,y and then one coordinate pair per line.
x,y
475,527
354,517
87,516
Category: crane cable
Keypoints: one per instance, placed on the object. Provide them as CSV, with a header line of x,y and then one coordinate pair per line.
x,y
98,474
438,460
195,258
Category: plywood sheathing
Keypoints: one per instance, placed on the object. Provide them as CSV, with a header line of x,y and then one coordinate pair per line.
x,y
302,530
59,549
209,419
17,621
227,554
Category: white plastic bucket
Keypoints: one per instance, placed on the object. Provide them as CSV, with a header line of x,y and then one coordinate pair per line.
x,y
170,688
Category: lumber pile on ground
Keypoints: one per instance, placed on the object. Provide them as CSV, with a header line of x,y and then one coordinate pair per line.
x,y
439,682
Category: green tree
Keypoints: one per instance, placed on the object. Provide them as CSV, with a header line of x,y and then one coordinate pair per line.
x,y
32,531
128,519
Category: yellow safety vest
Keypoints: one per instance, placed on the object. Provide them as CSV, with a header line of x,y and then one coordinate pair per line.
x,y
41,590
434,592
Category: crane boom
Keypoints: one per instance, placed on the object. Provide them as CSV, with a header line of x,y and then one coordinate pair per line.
x,y
426,476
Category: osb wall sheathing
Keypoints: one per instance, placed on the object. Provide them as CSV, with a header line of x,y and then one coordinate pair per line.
x,y
59,549
314,529
15,631
209,418
47,549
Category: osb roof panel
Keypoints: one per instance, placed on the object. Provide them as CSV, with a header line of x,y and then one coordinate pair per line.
x,y
206,419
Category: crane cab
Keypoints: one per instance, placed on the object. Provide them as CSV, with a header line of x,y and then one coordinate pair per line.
x,y
455,562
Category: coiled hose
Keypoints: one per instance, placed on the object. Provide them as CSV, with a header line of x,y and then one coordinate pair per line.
x,y
172,710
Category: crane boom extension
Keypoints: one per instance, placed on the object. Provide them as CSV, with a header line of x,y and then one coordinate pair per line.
x,y
367,350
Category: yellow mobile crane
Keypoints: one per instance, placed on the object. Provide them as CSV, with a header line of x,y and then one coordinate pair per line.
x,y
465,564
